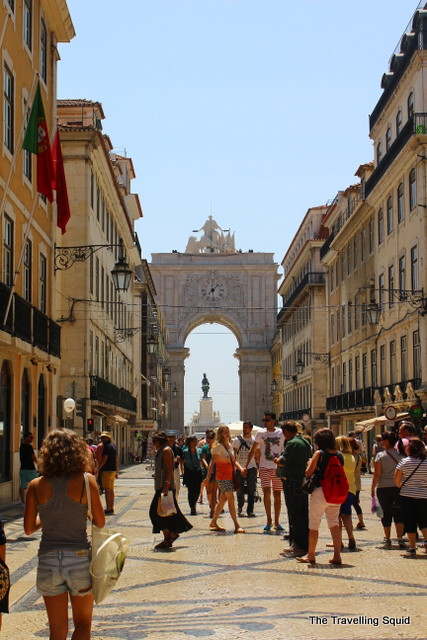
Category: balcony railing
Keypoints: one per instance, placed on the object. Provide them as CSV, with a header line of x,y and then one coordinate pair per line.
x,y
28,323
312,278
105,391
362,398
296,414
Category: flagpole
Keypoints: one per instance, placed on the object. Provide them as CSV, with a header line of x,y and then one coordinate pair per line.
x,y
21,257
18,146
3,31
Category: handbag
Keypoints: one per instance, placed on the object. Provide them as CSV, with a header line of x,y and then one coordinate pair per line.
x,y
309,483
234,479
109,550
166,505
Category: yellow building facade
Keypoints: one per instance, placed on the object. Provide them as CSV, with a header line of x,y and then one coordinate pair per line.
x,y
29,334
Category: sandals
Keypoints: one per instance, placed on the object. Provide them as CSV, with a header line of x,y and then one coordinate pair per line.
x,y
360,526
216,528
239,530
337,563
306,560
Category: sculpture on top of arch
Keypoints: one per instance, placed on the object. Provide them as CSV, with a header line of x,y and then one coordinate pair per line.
x,y
213,240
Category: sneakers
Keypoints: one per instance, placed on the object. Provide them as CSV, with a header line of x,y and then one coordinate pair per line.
x,y
251,515
278,528
387,542
402,544
267,528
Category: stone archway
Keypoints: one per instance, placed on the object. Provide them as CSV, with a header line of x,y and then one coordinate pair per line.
x,y
216,284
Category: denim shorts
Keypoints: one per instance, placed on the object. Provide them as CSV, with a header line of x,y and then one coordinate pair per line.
x,y
64,571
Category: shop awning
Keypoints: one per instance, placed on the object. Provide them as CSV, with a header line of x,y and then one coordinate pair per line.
x,y
367,425
117,418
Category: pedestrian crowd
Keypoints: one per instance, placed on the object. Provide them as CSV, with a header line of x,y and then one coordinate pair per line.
x,y
318,479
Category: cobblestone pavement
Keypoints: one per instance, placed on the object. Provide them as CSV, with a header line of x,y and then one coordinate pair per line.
x,y
233,587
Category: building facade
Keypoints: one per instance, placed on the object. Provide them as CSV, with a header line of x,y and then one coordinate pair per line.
x,y
29,334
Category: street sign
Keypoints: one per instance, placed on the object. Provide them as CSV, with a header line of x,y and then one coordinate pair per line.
x,y
305,417
390,412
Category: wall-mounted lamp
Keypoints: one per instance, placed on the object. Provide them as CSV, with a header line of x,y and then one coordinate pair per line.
x,y
274,386
174,391
166,373
151,345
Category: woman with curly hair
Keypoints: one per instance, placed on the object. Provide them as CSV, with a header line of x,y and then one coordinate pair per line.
x,y
223,459
57,504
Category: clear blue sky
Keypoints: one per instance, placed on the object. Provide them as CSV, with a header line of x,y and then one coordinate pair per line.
x,y
255,110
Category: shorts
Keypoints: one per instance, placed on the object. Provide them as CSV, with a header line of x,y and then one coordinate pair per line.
x,y
225,485
318,506
64,571
346,506
108,478
268,478
25,477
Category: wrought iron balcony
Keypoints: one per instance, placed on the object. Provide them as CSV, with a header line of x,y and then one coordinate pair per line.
x,y
363,398
311,278
105,391
28,323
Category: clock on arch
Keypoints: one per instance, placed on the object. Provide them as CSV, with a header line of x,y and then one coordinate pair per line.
x,y
212,289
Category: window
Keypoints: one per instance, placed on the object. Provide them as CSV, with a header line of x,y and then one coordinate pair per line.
x,y
343,320
26,275
332,328
403,357
342,259
417,353
371,236
402,274
97,278
363,245
382,365
8,251
344,377
356,311
389,215
373,368
96,363
11,4
357,372
98,201
380,226
379,152
43,50
91,189
349,316
43,284
364,370
349,259
8,109
414,268
332,278
381,287
393,361
355,252
91,371
412,190
391,286
399,122
400,203
388,139
27,155
410,105
350,375
28,23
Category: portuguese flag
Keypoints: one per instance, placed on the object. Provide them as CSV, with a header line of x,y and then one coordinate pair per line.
x,y
36,141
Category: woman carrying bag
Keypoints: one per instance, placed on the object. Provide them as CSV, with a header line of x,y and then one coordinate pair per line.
x,y
57,504
171,524
192,471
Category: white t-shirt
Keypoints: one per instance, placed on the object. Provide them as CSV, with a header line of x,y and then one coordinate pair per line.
x,y
271,446
242,455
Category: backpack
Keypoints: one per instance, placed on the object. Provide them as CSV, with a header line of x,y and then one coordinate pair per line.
x,y
334,484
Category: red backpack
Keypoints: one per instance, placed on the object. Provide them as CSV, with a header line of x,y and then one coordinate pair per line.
x,y
334,484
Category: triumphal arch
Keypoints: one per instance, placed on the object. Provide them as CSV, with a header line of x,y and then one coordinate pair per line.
x,y
212,281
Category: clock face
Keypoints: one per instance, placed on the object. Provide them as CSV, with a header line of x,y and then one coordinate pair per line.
x,y
212,290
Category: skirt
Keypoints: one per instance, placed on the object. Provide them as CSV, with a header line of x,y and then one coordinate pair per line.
x,y
176,523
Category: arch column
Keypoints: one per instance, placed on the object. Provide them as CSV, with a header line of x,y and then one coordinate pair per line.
x,y
176,358
255,380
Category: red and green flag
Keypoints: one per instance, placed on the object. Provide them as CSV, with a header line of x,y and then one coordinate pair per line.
x,y
62,204
36,140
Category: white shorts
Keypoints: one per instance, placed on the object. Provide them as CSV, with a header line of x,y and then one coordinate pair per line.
x,y
318,506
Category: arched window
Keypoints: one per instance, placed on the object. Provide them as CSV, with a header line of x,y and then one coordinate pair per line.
x,y
412,189
5,421
380,226
389,215
398,122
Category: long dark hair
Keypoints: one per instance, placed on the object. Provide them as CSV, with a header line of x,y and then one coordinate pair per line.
x,y
417,448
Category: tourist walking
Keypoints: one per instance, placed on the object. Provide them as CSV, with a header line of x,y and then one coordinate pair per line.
x,y
57,504
28,461
178,460
291,467
385,487
247,481
411,477
223,459
269,442
343,445
212,485
164,482
357,454
109,470
192,471
324,439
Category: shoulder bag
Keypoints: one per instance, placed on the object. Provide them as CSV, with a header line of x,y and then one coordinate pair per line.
x,y
109,550
309,483
235,480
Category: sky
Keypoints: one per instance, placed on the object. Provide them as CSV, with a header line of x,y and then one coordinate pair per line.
x,y
249,110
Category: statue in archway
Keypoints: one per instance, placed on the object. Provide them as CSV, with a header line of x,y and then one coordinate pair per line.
x,y
205,386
